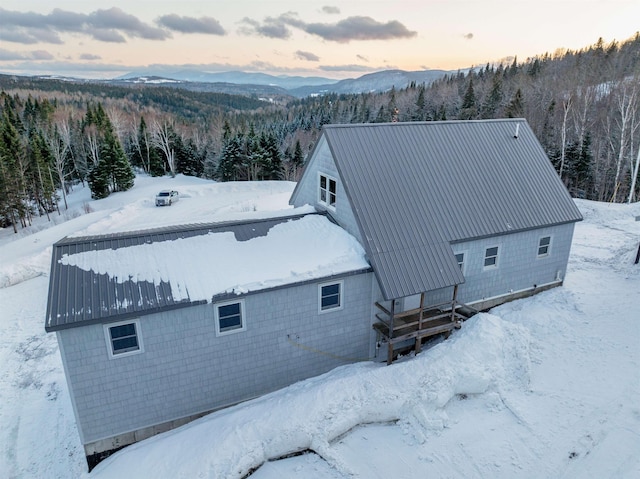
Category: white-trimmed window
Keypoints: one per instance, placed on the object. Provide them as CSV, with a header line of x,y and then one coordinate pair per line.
x,y
230,317
330,296
123,338
328,189
491,257
544,245
460,257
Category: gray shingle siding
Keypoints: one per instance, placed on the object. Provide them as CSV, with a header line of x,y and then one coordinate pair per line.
x,y
186,369
306,191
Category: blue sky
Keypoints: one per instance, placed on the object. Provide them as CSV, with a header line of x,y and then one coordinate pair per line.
x,y
336,39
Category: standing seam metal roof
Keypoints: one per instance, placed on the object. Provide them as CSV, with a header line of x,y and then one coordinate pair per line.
x,y
415,188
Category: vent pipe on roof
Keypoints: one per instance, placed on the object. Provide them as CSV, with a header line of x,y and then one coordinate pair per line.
x,y
517,130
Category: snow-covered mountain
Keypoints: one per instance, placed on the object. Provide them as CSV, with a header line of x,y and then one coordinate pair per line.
x,y
295,86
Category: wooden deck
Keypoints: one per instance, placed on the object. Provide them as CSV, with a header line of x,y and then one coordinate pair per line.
x,y
419,323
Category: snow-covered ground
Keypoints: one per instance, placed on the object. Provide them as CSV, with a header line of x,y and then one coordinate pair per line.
x,y
543,387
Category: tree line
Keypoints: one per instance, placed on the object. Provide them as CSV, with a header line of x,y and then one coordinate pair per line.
x,y
584,107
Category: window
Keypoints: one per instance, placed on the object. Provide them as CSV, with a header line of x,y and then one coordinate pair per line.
x,y
229,317
543,246
328,190
330,296
123,339
491,257
460,260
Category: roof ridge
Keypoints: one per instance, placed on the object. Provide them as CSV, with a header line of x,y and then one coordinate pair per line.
x,y
186,227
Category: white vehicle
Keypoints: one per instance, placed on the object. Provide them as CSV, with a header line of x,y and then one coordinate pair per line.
x,y
167,197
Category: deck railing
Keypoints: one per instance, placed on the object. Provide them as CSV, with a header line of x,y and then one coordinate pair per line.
x,y
418,323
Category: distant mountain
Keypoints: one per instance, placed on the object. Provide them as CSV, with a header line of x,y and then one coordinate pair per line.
x,y
237,77
278,89
372,82
263,92
236,82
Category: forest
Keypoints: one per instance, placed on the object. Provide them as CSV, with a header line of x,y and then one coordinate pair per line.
x,y
584,107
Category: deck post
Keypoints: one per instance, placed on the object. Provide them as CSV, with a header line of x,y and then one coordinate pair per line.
x,y
390,350
418,346
453,303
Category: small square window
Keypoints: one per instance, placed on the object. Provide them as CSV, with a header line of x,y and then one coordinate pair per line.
x,y
123,339
328,190
491,257
543,246
460,260
330,296
229,317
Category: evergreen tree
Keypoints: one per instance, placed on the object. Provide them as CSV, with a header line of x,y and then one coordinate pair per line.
x,y
298,156
515,109
42,189
99,181
272,166
121,173
469,110
494,100
13,200
582,167
231,159
419,112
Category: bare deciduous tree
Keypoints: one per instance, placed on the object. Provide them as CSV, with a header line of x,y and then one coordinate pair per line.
x,y
161,137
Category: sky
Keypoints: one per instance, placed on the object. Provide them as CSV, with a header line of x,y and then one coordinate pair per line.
x,y
334,39
546,386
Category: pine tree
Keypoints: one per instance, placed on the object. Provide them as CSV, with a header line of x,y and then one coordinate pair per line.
x,y
230,159
13,200
515,109
99,181
494,100
469,110
272,167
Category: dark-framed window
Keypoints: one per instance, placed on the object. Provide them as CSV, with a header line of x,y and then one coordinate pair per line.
x,y
460,260
330,296
543,246
230,317
123,338
491,257
328,190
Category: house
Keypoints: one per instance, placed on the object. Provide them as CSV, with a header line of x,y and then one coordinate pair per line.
x,y
399,232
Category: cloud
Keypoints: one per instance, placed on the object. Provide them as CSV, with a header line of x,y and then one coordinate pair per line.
x,y
41,55
312,57
6,55
331,10
468,36
271,28
344,31
28,36
207,25
363,58
103,25
359,28
116,19
90,56
108,36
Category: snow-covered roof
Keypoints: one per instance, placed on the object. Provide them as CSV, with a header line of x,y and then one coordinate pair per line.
x,y
109,277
